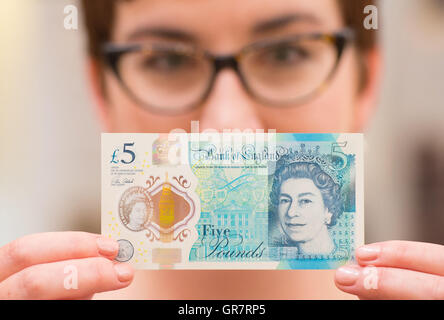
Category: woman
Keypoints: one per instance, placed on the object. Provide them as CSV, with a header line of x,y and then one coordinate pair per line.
x,y
138,215
307,202
157,65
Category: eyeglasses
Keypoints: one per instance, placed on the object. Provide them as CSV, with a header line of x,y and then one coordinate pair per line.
x,y
174,78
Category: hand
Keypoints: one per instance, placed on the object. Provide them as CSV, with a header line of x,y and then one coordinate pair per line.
x,y
35,266
395,270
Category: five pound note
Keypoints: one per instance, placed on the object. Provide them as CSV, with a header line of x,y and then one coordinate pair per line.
x,y
233,201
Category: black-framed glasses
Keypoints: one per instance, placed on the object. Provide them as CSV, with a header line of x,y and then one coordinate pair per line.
x,y
174,78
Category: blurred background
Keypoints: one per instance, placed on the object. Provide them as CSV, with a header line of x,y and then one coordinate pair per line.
x,y
50,139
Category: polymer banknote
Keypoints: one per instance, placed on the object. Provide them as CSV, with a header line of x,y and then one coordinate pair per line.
x,y
233,200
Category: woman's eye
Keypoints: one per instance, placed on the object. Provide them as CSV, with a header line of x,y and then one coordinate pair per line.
x,y
304,202
166,62
284,201
285,55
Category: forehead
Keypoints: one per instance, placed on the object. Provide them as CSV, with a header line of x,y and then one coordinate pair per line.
x,y
207,18
299,186
139,204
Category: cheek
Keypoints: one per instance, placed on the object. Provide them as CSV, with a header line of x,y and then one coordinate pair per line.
x,y
283,209
281,212
331,111
315,214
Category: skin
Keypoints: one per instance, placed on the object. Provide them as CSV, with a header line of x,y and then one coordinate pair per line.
x,y
204,20
32,267
302,215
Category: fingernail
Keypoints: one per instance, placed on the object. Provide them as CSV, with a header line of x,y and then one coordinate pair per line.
x,y
107,246
346,276
368,253
124,272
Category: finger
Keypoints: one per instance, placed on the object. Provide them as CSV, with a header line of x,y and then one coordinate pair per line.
x,y
418,256
51,247
90,297
388,283
68,279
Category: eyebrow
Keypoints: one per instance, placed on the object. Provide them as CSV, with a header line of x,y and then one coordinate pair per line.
x,y
282,21
305,194
299,195
261,27
164,32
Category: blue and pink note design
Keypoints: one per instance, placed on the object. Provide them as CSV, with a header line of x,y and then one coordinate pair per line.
x,y
233,201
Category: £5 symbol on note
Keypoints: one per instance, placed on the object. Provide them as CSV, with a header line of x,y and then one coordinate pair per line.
x,y
233,201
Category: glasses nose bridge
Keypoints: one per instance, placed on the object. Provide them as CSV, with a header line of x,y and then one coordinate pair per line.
x,y
225,62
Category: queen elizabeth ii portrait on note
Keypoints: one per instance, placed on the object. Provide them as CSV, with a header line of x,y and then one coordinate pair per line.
x,y
304,203
135,209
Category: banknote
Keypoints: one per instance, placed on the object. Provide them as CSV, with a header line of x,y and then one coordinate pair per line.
x,y
233,200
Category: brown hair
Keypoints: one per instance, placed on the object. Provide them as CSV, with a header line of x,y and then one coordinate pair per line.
x,y
100,14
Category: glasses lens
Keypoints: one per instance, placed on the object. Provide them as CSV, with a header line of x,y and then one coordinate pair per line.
x,y
289,70
166,78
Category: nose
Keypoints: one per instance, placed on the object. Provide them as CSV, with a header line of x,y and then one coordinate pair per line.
x,y
293,211
229,106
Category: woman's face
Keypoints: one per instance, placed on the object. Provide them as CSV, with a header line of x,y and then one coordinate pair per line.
x,y
223,28
301,209
138,214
